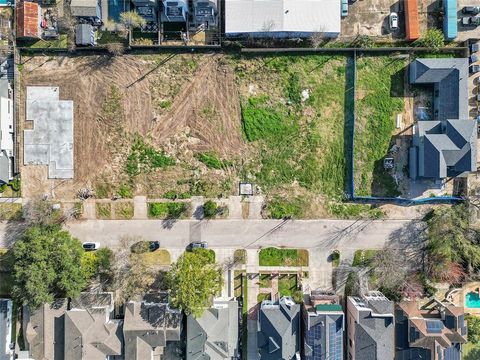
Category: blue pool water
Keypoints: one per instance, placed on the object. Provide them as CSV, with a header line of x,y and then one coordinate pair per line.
x,y
472,300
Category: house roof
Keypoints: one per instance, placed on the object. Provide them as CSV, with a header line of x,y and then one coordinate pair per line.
x,y
91,335
28,19
293,16
430,330
374,328
278,329
214,335
446,149
84,34
5,329
449,78
84,8
44,330
149,325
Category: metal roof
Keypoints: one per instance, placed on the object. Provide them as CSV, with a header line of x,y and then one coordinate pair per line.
x,y
282,16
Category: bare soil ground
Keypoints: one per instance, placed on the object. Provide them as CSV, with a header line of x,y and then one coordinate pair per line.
x,y
180,103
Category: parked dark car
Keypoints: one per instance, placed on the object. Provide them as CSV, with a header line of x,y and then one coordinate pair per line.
x,y
471,21
474,10
154,245
474,69
90,246
197,245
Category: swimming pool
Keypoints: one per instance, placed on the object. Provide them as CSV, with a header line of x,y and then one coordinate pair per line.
x,y
472,300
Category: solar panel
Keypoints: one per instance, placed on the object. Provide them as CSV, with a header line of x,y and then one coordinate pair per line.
x,y
434,326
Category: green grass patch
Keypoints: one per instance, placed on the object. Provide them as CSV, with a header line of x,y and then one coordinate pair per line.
x,y
103,211
265,280
144,158
343,210
60,43
471,351
287,285
10,211
168,210
283,257
379,99
103,190
280,208
124,210
125,191
300,140
363,257
107,37
212,161
238,282
160,257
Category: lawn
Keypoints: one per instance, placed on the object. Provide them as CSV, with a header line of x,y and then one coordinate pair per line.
x,y
263,296
363,257
160,257
283,257
293,114
287,284
124,210
237,282
265,281
240,256
379,98
103,211
60,43
471,351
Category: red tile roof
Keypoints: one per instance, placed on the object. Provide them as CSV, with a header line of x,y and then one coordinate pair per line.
x,y
27,19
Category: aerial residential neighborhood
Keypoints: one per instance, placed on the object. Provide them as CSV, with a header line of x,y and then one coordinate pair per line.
x,y
239,179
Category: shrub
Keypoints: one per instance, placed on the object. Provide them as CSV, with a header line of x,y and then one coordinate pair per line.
x,y
144,158
169,210
211,160
15,184
279,208
125,191
432,38
210,209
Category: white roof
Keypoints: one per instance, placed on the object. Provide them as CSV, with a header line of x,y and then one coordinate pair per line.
x,y
249,16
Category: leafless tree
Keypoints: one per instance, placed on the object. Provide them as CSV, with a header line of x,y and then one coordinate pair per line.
x,y
41,211
317,39
390,269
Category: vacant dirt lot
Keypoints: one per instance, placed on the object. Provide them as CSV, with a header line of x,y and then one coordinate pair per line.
x,y
180,103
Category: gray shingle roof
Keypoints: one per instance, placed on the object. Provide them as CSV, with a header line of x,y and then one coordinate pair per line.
x,y
84,34
449,77
84,8
279,329
147,326
214,335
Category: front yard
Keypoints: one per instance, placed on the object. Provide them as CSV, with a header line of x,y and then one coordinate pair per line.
x,y
283,257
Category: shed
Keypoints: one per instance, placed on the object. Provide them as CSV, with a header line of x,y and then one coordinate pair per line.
x,y
28,19
412,24
450,19
84,35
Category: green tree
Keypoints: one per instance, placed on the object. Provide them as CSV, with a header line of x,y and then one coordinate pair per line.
x,y
97,263
131,19
473,324
47,265
432,38
452,244
194,280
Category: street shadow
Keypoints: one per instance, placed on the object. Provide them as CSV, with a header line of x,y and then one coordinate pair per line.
x,y
169,223
198,213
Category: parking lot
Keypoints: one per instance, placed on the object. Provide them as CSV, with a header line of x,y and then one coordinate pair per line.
x,y
371,18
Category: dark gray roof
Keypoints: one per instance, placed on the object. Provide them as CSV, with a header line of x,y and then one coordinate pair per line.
x,y
278,329
214,335
316,328
5,329
445,149
84,34
44,330
147,326
374,330
449,77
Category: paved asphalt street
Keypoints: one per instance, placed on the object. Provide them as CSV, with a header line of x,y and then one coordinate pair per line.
x,y
328,234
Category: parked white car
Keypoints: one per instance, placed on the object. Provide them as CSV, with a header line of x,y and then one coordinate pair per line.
x,y
393,21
